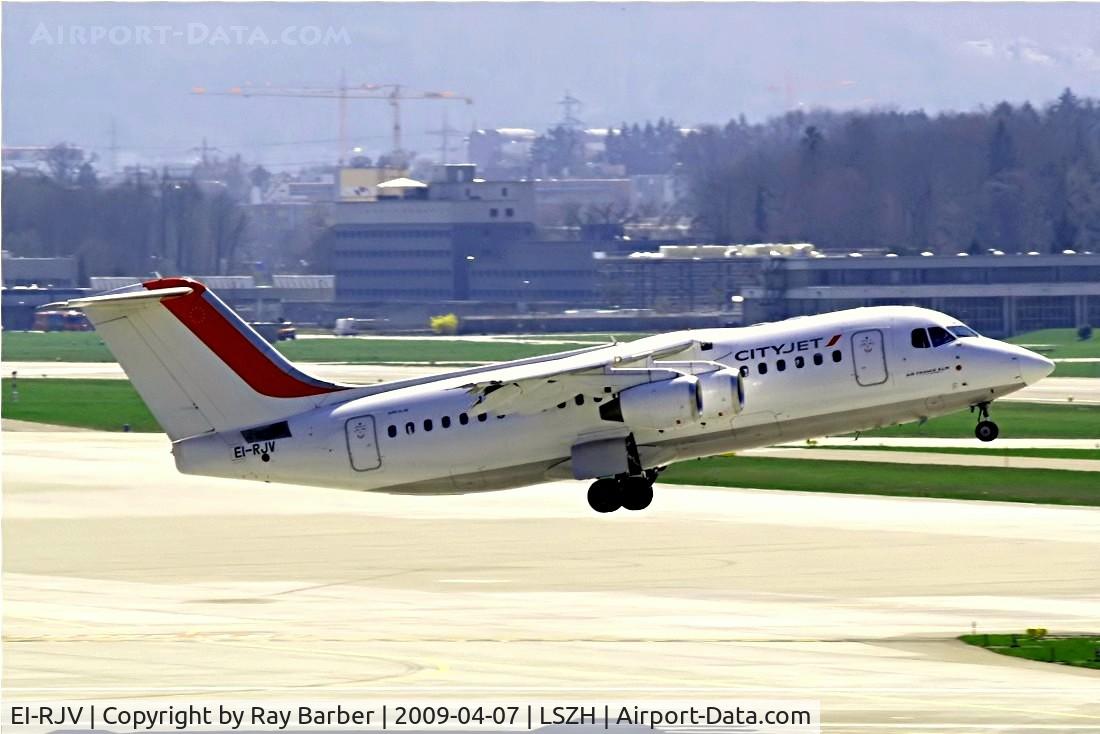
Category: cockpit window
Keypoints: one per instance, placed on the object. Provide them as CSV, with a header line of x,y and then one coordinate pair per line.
x,y
962,331
940,336
919,338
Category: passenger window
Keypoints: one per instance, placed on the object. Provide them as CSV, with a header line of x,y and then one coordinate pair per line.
x,y
392,431
818,359
463,418
799,362
919,339
762,368
939,336
579,399
744,370
410,428
481,417
781,364
445,421
837,356
427,424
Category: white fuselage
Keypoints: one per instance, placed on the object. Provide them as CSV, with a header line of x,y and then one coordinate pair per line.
x,y
804,377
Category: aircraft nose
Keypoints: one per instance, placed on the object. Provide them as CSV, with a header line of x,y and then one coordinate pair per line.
x,y
1034,367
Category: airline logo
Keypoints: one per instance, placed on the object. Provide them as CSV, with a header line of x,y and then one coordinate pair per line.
x,y
773,350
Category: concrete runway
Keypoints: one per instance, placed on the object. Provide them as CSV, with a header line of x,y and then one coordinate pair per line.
x,y
1084,390
121,576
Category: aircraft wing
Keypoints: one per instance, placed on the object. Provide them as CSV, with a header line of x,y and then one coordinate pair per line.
x,y
534,388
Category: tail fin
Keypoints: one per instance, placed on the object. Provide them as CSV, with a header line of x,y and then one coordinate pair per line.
x,y
195,363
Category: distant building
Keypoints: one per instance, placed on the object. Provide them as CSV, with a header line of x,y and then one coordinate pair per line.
x,y
361,184
295,297
43,272
316,186
32,159
458,238
689,278
582,200
656,191
502,152
996,294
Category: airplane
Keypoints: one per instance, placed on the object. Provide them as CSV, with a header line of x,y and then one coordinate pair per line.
x,y
616,414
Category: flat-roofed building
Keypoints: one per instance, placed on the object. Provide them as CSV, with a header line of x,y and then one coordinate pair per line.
x,y
457,238
996,294
687,278
44,272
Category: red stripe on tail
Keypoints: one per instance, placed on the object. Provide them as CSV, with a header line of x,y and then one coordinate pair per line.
x,y
231,345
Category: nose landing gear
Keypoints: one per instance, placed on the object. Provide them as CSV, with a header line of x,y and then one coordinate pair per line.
x,y
629,492
986,430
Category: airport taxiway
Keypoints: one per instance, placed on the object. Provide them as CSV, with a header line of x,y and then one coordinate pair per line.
x,y
121,575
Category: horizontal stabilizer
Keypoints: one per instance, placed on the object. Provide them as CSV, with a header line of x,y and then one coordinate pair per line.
x,y
111,298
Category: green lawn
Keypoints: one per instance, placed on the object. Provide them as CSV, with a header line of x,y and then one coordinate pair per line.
x,y
63,346
1060,343
1016,420
1083,651
595,337
101,404
388,351
53,346
1076,369
903,480
1086,454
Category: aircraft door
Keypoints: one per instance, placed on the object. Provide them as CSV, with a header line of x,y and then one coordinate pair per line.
x,y
362,443
869,357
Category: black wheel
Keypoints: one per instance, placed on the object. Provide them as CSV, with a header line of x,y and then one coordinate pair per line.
x,y
605,495
986,431
637,493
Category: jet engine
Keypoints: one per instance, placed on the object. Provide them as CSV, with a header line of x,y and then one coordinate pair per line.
x,y
681,400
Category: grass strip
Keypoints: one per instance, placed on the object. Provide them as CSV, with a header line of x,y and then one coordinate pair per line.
x,y
1087,454
390,351
105,405
63,346
1081,651
1076,369
1060,343
1045,486
1016,420
54,346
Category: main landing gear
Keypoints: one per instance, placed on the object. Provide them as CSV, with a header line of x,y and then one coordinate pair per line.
x,y
628,492
986,430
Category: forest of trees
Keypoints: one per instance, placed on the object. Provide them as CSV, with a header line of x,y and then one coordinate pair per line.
x,y
1013,178
149,222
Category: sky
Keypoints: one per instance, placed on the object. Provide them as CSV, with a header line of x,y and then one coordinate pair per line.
x,y
71,71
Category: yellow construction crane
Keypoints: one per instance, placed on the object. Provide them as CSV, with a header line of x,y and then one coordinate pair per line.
x,y
393,94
